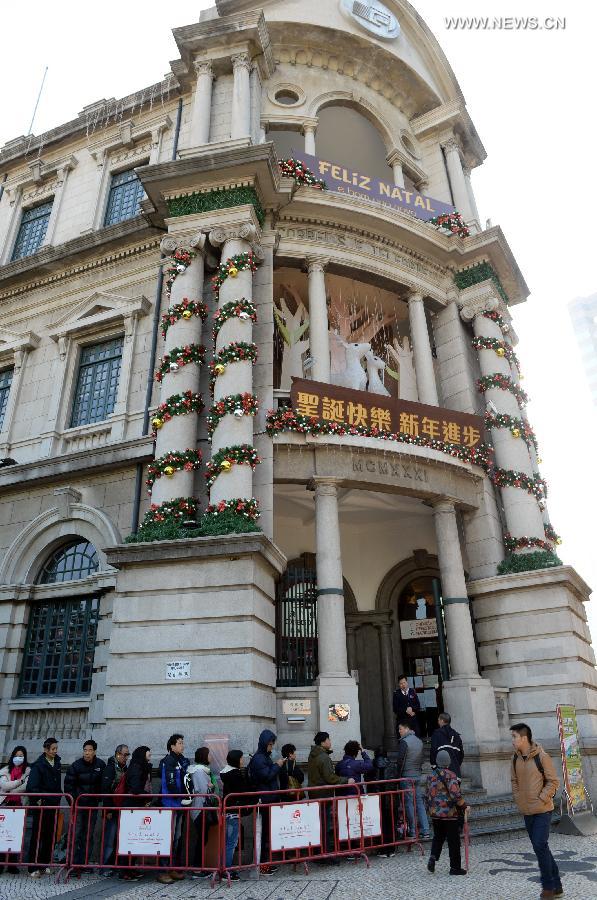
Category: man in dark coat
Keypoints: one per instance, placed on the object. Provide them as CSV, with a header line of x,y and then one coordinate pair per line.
x,y
173,768
406,705
45,777
84,776
265,775
115,770
445,738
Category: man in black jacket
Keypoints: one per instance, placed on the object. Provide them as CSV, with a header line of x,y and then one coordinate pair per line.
x,y
406,705
445,738
83,777
115,770
44,778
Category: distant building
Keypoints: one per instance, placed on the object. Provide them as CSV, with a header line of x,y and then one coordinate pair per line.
x,y
583,312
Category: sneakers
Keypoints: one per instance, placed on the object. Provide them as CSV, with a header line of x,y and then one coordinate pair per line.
x,y
233,876
426,835
201,874
431,864
267,870
164,878
37,873
387,854
457,871
559,891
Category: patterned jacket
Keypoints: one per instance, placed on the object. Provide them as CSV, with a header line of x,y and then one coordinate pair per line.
x,y
442,799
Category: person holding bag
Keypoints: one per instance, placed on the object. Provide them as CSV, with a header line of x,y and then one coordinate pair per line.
x,y
291,774
446,808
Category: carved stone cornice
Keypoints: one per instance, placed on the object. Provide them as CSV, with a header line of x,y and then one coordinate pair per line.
x,y
478,299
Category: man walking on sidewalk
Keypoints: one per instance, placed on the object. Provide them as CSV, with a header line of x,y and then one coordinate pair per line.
x,y
534,783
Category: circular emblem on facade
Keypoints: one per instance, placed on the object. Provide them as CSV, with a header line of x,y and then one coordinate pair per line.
x,y
373,16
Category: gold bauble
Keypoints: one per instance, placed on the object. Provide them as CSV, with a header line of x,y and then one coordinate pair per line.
x,y
169,471
516,432
233,271
521,377
219,369
558,540
539,460
157,423
225,465
500,351
186,313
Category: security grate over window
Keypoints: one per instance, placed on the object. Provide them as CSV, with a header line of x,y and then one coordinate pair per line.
x,y
97,382
32,230
126,193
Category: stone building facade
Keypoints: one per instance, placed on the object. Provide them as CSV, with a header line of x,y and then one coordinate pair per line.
x,y
163,280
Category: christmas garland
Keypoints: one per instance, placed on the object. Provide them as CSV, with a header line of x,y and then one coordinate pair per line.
x,y
224,459
237,351
288,420
175,461
238,404
179,262
180,356
218,198
527,562
242,309
176,405
495,317
231,268
534,484
552,534
451,222
247,509
511,543
186,309
177,511
517,426
294,168
505,383
501,348
478,273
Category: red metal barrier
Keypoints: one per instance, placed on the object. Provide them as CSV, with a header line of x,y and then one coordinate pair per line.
x,y
48,817
141,834
325,823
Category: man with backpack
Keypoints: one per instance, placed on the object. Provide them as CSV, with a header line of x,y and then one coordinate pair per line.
x,y
534,783
113,782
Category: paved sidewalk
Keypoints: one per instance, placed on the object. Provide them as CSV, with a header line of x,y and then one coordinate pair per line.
x,y
499,870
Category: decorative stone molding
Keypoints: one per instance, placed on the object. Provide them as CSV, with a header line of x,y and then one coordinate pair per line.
x,y
15,344
194,242
203,67
241,61
244,231
96,313
316,263
478,299
403,158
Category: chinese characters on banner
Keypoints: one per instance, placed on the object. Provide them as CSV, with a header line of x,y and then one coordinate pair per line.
x,y
330,403
571,759
295,825
144,832
12,826
350,813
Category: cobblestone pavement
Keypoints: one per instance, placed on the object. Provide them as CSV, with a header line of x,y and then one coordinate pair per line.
x,y
499,870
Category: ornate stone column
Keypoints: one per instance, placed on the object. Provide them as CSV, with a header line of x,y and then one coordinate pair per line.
x,y
232,461
175,420
241,97
309,131
394,159
423,356
388,682
334,683
61,179
482,305
456,176
471,196
319,341
201,112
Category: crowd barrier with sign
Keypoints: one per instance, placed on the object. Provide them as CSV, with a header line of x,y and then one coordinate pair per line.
x,y
138,834
36,835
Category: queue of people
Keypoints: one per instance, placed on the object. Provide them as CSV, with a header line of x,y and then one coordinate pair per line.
x,y
436,801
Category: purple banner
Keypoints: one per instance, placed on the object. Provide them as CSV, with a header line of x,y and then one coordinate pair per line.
x,y
344,180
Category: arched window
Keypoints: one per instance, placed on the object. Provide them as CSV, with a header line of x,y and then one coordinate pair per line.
x,y
60,645
70,562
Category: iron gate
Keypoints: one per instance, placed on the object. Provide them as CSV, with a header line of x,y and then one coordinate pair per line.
x,y
296,624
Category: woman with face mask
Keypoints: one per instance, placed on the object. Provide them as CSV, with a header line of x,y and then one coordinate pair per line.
x,y
13,784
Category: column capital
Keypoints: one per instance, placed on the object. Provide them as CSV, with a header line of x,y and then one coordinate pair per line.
x,y
396,155
203,67
316,263
414,296
444,505
194,242
241,231
478,299
241,61
326,485
310,125
451,145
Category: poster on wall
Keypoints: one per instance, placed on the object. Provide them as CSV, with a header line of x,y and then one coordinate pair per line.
x,y
571,759
12,826
144,832
350,817
338,712
295,825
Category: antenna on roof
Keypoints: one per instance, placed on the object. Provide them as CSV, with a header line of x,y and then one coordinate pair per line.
x,y
29,131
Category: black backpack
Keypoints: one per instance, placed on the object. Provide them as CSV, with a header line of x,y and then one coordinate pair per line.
x,y
536,760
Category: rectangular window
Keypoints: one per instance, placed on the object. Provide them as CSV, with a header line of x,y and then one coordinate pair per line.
x,y
32,230
5,383
60,648
97,383
126,193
